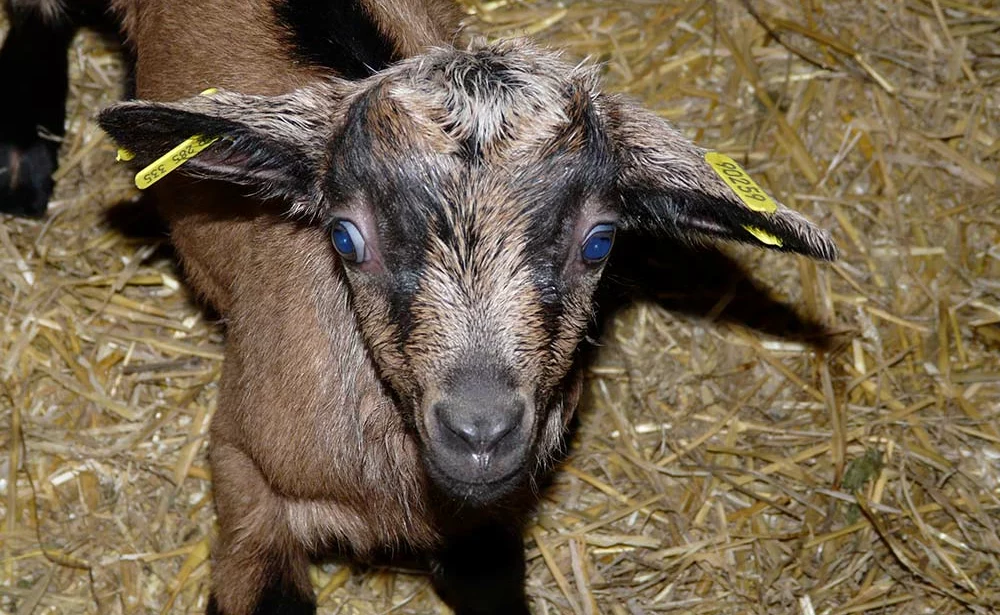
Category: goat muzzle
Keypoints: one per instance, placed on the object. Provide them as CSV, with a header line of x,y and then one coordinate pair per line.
x,y
479,432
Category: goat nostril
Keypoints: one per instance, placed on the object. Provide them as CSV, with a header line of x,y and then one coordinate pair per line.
x,y
480,429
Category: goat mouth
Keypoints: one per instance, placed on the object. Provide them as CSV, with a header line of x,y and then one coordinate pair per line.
x,y
479,478
486,483
478,490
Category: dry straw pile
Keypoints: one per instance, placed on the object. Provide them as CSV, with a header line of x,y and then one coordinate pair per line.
x,y
734,455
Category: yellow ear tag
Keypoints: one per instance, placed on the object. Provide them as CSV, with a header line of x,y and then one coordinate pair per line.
x,y
764,237
736,178
172,159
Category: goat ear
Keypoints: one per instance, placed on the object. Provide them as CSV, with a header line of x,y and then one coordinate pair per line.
x,y
666,185
272,144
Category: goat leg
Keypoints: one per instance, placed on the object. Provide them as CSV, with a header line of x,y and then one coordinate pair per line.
x,y
481,572
259,568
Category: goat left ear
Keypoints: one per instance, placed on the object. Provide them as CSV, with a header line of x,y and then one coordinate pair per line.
x,y
665,184
273,144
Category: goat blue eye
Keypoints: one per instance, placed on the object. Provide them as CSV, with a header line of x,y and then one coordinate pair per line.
x,y
597,245
348,242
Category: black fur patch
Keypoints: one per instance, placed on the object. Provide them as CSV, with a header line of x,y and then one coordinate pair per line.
x,y
33,71
278,597
482,571
590,174
396,192
339,35
279,600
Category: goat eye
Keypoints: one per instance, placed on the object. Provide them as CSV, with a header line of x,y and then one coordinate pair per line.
x,y
597,245
348,242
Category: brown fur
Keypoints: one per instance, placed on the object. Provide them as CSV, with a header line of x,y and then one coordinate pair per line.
x,y
414,25
183,47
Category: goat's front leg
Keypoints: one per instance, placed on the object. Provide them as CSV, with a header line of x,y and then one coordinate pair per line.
x,y
481,572
259,567
34,73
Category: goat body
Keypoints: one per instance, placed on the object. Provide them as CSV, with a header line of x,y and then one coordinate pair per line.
x,y
407,286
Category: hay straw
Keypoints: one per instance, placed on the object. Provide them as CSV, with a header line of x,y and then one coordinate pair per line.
x,y
724,463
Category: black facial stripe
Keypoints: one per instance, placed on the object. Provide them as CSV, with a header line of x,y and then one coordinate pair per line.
x,y
355,163
397,193
403,288
338,35
553,216
350,153
549,234
550,286
402,229
583,150
552,210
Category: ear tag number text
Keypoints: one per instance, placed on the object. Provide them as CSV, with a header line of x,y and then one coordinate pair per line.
x,y
752,195
171,160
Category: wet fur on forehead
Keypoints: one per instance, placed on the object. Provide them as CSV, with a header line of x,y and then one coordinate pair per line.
x,y
492,103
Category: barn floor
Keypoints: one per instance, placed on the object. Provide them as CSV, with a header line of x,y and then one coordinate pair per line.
x,y
761,433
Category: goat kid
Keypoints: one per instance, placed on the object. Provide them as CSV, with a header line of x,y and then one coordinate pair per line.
x,y
406,290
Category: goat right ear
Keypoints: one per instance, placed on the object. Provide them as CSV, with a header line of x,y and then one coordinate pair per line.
x,y
668,185
273,144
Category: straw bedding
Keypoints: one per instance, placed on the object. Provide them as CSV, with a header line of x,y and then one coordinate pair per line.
x,y
760,434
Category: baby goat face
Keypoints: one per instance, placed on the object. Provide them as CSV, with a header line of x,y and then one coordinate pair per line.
x,y
473,197
468,206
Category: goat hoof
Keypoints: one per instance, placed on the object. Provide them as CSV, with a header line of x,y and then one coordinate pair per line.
x,y
26,177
